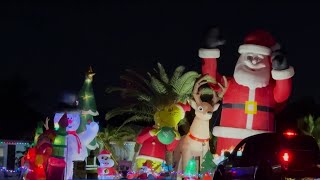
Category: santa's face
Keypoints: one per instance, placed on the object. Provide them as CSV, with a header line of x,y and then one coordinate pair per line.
x,y
105,161
252,70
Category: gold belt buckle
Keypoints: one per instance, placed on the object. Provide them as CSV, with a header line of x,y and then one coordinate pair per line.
x,y
251,107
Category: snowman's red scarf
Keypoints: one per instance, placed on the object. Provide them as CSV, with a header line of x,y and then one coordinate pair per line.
x,y
78,139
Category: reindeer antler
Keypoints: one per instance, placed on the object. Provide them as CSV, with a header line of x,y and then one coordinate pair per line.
x,y
195,93
46,125
217,97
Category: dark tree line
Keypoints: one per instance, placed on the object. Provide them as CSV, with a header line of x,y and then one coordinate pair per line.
x,y
295,110
17,112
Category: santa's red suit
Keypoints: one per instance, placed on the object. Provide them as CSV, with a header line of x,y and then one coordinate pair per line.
x,y
152,148
248,110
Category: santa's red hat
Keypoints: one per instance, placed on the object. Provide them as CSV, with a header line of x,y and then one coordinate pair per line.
x,y
105,153
186,107
259,42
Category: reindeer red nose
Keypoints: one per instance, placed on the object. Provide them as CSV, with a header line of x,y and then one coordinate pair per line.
x,y
69,121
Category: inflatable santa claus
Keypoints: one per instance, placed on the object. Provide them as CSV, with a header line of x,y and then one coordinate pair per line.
x,y
260,83
106,169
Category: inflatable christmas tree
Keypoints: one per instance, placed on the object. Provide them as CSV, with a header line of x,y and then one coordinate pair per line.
x,y
207,166
87,105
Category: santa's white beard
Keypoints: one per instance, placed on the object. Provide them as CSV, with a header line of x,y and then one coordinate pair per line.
x,y
243,75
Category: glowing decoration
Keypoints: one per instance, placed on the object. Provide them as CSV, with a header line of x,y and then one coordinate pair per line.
x,y
146,171
166,135
10,142
171,115
191,168
105,169
166,168
57,162
154,142
37,157
87,105
76,149
196,142
290,133
207,165
262,81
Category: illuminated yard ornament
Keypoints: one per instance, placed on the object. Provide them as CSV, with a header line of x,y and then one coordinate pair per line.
x,y
105,169
160,99
77,143
57,161
146,171
162,137
196,142
36,159
262,81
87,105
166,135
207,166
190,171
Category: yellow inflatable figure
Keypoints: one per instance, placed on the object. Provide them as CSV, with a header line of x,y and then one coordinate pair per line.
x,y
162,137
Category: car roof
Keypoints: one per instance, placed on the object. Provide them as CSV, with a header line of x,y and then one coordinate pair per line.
x,y
299,141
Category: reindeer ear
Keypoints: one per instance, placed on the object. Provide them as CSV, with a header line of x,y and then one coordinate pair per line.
x,y
193,104
215,107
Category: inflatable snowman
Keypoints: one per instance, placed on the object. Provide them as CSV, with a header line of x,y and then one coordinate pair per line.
x,y
76,143
105,169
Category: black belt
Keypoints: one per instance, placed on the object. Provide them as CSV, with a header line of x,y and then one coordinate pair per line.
x,y
242,106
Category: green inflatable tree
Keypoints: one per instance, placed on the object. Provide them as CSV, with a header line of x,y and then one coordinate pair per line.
x,y
191,168
207,166
87,105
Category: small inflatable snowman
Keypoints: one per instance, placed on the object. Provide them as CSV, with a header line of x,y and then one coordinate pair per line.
x,y
105,169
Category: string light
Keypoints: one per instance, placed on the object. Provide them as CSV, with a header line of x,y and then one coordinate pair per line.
x,y
14,142
20,169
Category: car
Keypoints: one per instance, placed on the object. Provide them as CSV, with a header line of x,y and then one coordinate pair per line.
x,y
272,156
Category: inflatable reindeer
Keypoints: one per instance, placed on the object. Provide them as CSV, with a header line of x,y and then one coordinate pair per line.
x,y
196,142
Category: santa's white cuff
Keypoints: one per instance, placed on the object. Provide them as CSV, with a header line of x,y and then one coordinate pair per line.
x,y
282,74
209,53
235,133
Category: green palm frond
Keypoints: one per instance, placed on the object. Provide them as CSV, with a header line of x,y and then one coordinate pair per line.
x,y
119,111
113,89
129,93
186,82
206,91
162,73
131,109
137,118
177,74
316,130
153,93
157,85
140,78
137,83
310,126
309,122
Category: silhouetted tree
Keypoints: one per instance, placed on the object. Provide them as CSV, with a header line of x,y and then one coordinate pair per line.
x,y
18,117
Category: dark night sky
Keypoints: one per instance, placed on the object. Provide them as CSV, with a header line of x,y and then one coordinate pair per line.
x,y
52,45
